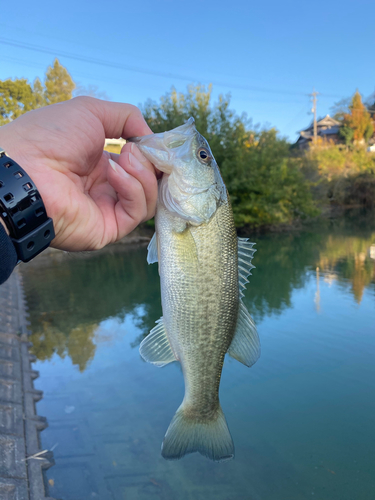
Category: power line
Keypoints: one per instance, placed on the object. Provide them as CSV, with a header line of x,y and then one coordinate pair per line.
x,y
100,78
84,45
100,62
301,112
96,78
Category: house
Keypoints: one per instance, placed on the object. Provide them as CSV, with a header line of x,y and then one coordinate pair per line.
x,y
327,128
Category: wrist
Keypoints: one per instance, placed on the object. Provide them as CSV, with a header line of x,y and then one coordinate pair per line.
x,y
13,143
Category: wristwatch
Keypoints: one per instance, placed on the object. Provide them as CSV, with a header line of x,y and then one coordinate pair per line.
x,y
23,211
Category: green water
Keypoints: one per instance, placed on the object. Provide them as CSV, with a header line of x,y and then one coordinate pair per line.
x,y
302,418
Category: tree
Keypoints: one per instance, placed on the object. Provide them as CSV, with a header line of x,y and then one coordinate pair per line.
x,y
16,97
358,119
38,90
347,134
265,186
369,131
59,85
340,108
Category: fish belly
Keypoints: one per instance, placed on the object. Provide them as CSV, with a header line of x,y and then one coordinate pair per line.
x,y
200,299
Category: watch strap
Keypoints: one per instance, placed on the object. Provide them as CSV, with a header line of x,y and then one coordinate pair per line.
x,y
23,210
8,255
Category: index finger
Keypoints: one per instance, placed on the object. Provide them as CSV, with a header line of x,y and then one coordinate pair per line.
x,y
118,119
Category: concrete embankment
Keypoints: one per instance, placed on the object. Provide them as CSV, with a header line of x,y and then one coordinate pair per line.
x,y
21,459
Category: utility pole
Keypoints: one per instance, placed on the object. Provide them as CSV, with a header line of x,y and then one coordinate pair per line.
x,y
313,110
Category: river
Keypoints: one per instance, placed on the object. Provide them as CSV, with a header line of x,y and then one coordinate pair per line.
x,y
302,418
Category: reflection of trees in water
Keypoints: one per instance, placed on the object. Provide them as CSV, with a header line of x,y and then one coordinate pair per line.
x,y
346,255
281,262
68,298
78,344
357,269
340,248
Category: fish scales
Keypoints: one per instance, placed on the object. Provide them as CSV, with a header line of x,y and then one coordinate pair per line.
x,y
203,270
199,282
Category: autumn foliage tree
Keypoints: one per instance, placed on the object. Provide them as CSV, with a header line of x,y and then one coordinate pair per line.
x,y
59,85
358,120
17,96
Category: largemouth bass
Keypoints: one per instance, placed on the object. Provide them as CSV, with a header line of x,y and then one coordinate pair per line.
x,y
203,269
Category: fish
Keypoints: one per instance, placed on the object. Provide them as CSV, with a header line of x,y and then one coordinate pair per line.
x,y
203,270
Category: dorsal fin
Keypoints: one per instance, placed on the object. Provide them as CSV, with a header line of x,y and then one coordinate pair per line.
x,y
245,256
245,346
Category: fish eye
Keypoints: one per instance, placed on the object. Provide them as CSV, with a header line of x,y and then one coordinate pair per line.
x,y
204,155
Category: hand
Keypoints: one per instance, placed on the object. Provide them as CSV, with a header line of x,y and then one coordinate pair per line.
x,y
90,202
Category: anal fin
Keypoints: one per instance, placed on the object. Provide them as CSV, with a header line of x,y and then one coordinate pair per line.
x,y
156,348
245,346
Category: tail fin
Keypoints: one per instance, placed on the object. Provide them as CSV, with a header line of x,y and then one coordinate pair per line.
x,y
185,435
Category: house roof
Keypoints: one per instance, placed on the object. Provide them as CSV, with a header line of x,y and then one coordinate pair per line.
x,y
308,134
327,121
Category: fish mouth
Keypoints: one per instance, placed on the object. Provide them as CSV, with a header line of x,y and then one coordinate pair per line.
x,y
182,131
160,149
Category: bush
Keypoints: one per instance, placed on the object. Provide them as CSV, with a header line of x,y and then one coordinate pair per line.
x,y
341,175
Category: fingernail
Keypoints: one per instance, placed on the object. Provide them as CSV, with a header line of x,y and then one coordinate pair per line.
x,y
113,164
134,162
118,169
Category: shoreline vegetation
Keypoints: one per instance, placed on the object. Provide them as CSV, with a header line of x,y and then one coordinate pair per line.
x,y
273,185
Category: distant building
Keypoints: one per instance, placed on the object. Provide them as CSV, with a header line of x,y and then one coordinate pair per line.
x,y
327,128
114,145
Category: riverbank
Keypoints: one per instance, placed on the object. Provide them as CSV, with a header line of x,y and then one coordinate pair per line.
x,y
21,459
142,235
109,410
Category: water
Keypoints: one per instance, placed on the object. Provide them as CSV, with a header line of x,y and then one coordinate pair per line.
x,y
302,418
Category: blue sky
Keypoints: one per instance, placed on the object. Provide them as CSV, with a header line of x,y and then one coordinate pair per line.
x,y
268,55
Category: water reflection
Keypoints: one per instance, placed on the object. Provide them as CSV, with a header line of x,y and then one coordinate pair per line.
x,y
348,259
294,416
69,296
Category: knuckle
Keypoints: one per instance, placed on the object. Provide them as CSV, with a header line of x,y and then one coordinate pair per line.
x,y
82,99
134,109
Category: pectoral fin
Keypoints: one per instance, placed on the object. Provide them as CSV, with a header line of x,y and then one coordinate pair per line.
x,y
245,346
152,255
155,348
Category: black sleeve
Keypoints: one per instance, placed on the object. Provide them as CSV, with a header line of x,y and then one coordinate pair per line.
x,y
8,255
